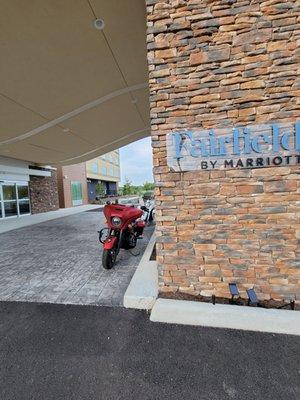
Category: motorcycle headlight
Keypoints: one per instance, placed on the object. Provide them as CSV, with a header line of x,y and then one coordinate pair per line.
x,y
116,221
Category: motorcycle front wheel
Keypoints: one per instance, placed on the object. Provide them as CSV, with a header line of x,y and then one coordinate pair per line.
x,y
108,258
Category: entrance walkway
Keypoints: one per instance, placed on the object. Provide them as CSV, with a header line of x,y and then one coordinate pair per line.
x,y
59,261
10,224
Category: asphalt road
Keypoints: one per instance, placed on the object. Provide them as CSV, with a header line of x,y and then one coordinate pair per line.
x,y
52,351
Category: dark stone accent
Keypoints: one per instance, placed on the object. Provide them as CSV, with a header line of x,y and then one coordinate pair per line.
x,y
43,193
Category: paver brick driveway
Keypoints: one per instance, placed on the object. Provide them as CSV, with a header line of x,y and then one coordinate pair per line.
x,y
59,261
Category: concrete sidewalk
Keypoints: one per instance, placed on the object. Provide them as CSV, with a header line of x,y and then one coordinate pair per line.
x,y
142,291
59,352
10,224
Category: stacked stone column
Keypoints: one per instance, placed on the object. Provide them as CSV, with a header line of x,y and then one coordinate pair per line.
x,y
216,64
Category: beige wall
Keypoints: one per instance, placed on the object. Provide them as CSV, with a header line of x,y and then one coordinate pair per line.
x,y
105,168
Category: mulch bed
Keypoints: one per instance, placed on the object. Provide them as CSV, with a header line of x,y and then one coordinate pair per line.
x,y
224,300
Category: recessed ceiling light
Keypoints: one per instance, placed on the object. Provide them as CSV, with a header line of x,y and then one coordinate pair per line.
x,y
99,24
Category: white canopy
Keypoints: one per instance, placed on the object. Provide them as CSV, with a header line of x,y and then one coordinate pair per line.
x,y
68,91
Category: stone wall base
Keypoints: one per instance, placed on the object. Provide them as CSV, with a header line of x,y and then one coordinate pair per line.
x,y
43,193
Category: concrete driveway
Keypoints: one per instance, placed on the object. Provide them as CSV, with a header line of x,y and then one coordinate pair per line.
x,y
59,261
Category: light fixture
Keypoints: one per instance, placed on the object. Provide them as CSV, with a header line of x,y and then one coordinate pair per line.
x,y
99,24
252,298
233,291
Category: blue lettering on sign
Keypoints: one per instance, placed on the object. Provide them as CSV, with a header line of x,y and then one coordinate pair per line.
x,y
243,141
241,147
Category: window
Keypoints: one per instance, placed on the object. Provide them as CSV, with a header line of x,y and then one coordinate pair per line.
x,y
14,199
23,197
10,209
94,168
24,207
76,192
10,200
23,192
103,170
9,192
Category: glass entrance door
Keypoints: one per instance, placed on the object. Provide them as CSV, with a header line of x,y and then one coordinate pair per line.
x,y
9,199
23,199
1,203
14,199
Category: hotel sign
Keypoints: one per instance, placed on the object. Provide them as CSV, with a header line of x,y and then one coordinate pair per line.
x,y
239,147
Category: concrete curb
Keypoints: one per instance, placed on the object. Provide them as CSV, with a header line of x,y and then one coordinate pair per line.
x,y
226,316
10,224
142,290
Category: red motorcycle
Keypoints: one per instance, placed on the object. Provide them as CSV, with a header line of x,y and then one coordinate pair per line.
x,y
124,227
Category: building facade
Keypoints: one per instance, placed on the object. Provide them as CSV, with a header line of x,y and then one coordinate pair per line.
x,y
216,67
29,189
104,171
78,184
26,189
72,185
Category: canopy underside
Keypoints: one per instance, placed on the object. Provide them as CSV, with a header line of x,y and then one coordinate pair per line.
x,y
70,92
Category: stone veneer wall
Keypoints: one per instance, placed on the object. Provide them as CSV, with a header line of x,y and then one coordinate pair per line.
x,y
215,64
43,193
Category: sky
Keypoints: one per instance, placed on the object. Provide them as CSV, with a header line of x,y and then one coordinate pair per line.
x,y
136,162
